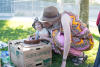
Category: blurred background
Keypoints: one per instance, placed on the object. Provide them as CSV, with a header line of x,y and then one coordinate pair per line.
x,y
34,8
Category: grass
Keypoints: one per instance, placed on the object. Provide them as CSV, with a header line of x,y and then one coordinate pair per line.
x,y
19,29
11,30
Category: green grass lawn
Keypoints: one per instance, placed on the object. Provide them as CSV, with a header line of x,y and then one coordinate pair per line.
x,y
17,29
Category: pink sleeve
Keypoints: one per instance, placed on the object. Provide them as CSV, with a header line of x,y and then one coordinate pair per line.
x,y
98,19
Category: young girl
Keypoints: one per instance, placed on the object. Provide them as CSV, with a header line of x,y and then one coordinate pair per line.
x,y
40,33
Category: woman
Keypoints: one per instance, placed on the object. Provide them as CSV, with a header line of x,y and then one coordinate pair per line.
x,y
97,61
77,38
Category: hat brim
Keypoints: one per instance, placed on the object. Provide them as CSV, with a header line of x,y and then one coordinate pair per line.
x,y
45,19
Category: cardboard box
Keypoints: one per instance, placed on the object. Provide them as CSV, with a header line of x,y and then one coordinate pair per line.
x,y
26,55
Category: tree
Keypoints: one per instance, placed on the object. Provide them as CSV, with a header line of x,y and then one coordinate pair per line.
x,y
84,11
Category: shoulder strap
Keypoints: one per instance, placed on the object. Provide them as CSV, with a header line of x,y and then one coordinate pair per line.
x,y
37,35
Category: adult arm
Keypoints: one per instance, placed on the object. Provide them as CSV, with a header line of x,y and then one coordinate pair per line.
x,y
66,20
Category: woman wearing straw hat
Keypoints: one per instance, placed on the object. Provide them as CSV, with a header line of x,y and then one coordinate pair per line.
x,y
69,34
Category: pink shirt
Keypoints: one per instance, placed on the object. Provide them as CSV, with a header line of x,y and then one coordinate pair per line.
x,y
98,19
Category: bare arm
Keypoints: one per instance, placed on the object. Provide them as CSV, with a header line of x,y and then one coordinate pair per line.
x,y
65,19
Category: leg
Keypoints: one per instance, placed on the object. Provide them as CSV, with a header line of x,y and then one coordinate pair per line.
x,y
97,61
80,56
99,65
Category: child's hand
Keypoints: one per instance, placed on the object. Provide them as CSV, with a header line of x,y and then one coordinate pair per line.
x,y
31,37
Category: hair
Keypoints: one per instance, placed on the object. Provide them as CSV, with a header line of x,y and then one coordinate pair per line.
x,y
36,21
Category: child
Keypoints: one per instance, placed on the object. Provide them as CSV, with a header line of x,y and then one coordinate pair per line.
x,y
40,31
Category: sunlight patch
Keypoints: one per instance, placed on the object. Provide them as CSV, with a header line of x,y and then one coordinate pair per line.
x,y
20,21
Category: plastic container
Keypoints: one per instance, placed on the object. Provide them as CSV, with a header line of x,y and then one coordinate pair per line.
x,y
5,57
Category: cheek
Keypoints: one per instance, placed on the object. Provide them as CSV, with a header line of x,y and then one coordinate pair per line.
x,y
36,28
40,26
45,25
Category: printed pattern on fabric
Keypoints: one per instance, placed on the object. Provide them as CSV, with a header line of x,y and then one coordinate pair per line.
x,y
81,38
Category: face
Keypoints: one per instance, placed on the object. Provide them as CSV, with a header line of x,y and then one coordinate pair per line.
x,y
50,23
38,26
47,24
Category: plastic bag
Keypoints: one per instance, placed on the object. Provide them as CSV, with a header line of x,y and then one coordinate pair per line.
x,y
3,45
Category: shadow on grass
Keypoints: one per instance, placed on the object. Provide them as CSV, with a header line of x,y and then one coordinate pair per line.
x,y
56,60
96,37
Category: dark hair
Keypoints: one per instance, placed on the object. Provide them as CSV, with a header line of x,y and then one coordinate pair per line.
x,y
36,21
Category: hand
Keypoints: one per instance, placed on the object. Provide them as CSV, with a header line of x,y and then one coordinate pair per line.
x,y
63,64
31,37
49,39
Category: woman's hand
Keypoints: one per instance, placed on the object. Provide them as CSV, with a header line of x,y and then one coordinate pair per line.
x,y
63,64
47,38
